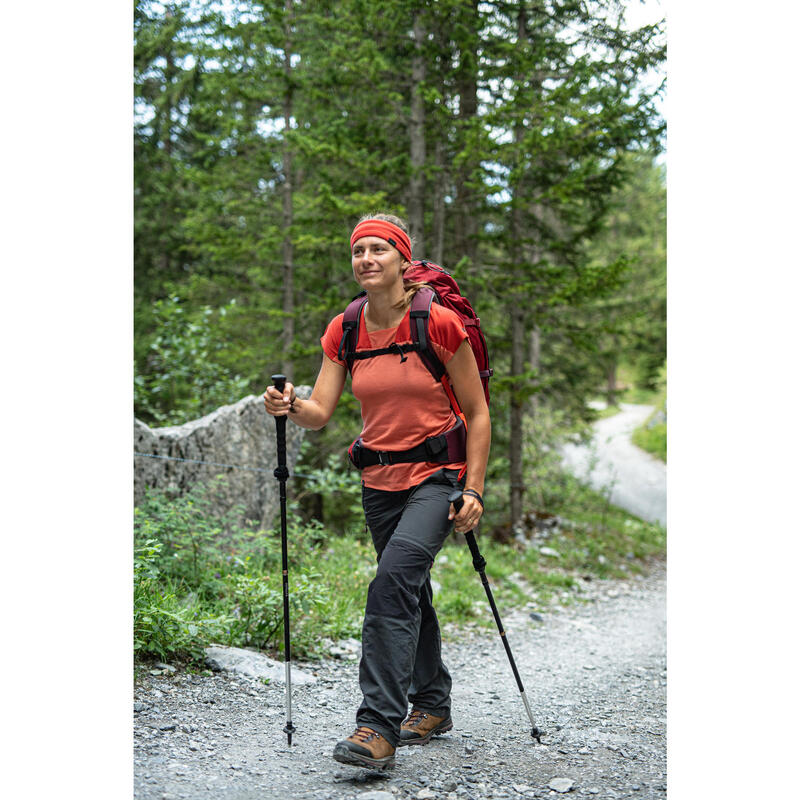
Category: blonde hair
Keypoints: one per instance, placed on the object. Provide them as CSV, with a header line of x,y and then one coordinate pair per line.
x,y
410,287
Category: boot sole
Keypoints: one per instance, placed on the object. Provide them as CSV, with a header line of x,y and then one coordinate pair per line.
x,y
437,731
344,755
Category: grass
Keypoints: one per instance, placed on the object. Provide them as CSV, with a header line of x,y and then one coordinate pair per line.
x,y
653,440
199,580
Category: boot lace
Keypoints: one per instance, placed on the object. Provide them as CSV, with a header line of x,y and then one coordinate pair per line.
x,y
415,718
365,735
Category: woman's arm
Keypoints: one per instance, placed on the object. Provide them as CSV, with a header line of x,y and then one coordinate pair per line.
x,y
315,412
463,372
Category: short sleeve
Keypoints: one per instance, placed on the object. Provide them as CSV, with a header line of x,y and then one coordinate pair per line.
x,y
332,338
447,331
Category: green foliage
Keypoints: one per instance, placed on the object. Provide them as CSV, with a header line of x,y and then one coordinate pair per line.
x,y
200,578
538,191
185,378
653,437
337,487
163,624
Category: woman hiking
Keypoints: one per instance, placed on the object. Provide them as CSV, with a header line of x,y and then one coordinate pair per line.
x,y
405,501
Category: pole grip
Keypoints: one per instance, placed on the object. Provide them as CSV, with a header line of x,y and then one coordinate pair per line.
x,y
279,382
478,561
457,499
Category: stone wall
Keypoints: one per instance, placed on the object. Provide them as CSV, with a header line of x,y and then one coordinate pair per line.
x,y
242,434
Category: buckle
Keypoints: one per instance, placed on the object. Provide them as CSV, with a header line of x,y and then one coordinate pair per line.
x,y
383,454
435,444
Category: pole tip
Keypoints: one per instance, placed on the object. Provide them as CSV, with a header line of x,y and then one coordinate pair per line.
x,y
537,734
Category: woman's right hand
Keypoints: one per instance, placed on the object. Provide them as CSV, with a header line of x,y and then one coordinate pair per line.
x,y
277,404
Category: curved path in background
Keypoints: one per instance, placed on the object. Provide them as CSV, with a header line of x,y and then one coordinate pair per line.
x,y
638,481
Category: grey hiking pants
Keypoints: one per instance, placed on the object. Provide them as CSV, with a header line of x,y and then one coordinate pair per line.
x,y
401,659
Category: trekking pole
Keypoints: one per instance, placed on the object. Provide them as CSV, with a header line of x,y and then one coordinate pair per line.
x,y
479,563
282,474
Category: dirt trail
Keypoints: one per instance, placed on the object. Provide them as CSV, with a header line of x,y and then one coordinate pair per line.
x,y
637,480
595,674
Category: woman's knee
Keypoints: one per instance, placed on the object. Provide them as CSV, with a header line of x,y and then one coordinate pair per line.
x,y
395,590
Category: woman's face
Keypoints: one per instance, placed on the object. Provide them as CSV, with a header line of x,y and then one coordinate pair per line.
x,y
376,264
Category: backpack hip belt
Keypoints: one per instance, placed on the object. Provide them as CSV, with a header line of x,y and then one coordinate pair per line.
x,y
447,448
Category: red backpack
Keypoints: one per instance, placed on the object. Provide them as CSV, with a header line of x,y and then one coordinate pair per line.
x,y
444,291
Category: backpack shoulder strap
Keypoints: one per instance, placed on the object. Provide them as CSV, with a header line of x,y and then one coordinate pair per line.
x,y
350,325
419,317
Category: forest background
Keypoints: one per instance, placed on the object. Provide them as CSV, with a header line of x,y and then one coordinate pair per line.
x,y
518,139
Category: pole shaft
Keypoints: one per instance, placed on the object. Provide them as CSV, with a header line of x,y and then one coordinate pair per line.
x,y
479,563
282,474
473,546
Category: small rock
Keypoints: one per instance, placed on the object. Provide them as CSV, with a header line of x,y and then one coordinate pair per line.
x,y
425,794
137,707
375,795
561,785
170,726
548,551
165,667
449,786
536,617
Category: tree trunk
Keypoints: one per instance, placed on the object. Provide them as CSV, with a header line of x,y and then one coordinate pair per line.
x,y
288,217
437,253
611,383
517,486
416,189
535,359
466,210
515,453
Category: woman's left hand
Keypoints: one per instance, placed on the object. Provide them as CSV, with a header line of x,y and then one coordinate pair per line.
x,y
467,519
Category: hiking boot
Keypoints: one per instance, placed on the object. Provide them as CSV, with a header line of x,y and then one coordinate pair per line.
x,y
365,748
419,726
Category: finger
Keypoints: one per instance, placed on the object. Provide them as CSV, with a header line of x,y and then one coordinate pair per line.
x,y
452,513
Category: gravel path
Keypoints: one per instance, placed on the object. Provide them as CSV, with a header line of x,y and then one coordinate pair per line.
x,y
638,480
594,672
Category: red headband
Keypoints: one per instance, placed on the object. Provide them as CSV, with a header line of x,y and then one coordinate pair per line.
x,y
396,237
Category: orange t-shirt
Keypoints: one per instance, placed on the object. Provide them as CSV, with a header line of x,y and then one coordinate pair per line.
x,y
402,404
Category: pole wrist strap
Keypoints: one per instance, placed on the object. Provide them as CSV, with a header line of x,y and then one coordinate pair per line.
x,y
474,493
